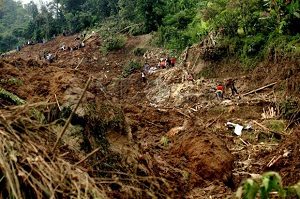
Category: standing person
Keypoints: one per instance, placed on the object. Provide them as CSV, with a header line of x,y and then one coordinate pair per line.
x,y
168,61
220,91
162,63
81,45
144,77
49,57
230,84
146,67
172,61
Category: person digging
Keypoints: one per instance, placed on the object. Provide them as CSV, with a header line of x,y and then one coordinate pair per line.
x,y
230,83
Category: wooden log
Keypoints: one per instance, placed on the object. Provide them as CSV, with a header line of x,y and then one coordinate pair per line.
x,y
71,115
259,89
79,63
4,94
216,119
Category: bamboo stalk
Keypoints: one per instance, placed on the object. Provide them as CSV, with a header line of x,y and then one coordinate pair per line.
x,y
57,102
71,115
259,89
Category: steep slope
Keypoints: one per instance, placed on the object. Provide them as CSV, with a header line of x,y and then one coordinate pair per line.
x,y
170,129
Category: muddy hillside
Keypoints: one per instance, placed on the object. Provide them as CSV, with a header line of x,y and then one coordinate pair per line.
x,y
86,124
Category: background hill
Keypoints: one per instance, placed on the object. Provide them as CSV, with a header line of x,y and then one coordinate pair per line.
x,y
86,125
249,31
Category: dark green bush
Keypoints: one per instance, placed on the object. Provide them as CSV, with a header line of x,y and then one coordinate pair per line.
x,y
290,109
207,72
139,51
114,43
131,67
252,45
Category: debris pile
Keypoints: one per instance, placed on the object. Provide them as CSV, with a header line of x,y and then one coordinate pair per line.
x,y
163,134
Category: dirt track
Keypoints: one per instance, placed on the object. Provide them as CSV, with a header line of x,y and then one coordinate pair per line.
x,y
176,124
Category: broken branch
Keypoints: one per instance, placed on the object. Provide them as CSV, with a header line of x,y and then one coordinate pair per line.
x,y
71,115
217,118
79,64
259,89
86,157
57,102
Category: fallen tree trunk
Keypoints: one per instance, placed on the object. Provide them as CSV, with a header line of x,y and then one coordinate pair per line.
x,y
259,89
4,94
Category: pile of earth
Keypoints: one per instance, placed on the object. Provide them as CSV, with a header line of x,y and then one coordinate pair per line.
x,y
176,126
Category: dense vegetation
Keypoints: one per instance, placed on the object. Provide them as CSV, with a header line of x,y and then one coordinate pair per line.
x,y
13,22
249,30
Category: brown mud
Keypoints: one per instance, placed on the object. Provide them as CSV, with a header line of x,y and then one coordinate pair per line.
x,y
177,126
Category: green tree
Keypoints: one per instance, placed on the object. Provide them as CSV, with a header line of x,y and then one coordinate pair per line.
x,y
151,12
13,22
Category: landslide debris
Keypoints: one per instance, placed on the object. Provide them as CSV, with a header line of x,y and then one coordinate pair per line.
x,y
128,139
205,155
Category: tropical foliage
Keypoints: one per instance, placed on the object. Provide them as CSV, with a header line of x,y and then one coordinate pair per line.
x,y
13,22
265,185
251,29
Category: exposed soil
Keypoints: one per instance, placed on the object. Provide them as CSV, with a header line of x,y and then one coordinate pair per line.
x,y
287,159
176,126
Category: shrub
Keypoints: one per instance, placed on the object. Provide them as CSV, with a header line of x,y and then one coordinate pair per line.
x,y
139,51
263,185
131,67
276,125
282,46
207,72
290,109
251,52
114,43
252,45
164,141
12,81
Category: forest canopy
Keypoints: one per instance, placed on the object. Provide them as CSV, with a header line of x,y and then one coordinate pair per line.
x,y
244,28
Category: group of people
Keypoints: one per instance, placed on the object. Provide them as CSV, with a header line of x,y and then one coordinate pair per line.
x,y
228,84
79,43
76,46
49,57
163,63
166,62
29,43
170,62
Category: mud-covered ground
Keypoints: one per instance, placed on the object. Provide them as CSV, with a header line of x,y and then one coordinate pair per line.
x,y
177,127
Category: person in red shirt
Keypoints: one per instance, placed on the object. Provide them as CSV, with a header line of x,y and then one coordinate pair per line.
x,y
220,91
172,61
